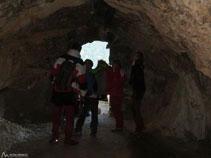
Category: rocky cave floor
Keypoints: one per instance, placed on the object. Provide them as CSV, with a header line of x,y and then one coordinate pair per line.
x,y
111,145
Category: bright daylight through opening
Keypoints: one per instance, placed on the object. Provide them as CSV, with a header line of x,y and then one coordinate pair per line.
x,y
95,51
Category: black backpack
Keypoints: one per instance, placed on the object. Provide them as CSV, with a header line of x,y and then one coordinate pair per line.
x,y
66,70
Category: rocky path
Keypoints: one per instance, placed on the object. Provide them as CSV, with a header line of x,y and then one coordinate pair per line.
x,y
111,145
105,145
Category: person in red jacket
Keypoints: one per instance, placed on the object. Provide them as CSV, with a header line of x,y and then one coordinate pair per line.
x,y
114,87
77,84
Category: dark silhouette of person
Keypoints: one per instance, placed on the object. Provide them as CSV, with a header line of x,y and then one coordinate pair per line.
x,y
138,84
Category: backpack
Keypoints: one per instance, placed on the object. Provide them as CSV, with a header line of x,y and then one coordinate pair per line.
x,y
66,70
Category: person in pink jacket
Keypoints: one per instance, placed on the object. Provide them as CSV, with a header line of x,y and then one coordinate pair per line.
x,y
114,87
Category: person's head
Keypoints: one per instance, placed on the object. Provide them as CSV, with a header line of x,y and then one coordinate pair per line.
x,y
88,64
76,46
138,58
101,63
116,63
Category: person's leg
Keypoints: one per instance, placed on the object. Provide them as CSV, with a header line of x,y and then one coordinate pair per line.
x,y
82,117
76,108
56,122
119,113
94,111
137,114
116,106
69,111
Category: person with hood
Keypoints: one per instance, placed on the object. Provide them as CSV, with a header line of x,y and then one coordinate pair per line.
x,y
114,87
65,95
138,85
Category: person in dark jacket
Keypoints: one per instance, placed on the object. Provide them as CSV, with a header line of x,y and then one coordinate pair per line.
x,y
91,102
65,98
138,84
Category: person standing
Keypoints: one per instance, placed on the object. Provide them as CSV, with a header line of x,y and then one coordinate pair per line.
x,y
100,75
68,77
91,102
138,84
114,87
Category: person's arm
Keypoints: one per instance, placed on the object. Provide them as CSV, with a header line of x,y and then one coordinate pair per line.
x,y
81,79
123,76
131,76
52,74
108,79
55,69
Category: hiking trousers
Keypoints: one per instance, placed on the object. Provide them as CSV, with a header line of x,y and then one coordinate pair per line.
x,y
69,114
116,107
90,104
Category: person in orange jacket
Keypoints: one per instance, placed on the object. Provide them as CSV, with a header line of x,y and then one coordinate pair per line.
x,y
114,87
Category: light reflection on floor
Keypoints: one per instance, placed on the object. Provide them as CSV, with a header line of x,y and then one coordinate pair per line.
x,y
103,107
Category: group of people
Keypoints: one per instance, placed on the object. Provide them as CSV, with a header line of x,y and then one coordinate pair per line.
x,y
72,79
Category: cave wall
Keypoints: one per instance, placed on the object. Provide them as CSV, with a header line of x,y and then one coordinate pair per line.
x,y
184,25
174,102
173,35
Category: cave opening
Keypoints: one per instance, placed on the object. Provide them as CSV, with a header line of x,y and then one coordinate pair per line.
x,y
95,51
98,51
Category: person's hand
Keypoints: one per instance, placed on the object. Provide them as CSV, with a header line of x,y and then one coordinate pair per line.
x,y
82,99
108,92
51,78
135,57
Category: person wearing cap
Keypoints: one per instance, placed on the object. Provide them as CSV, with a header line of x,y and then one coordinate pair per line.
x,y
114,87
138,84
77,85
